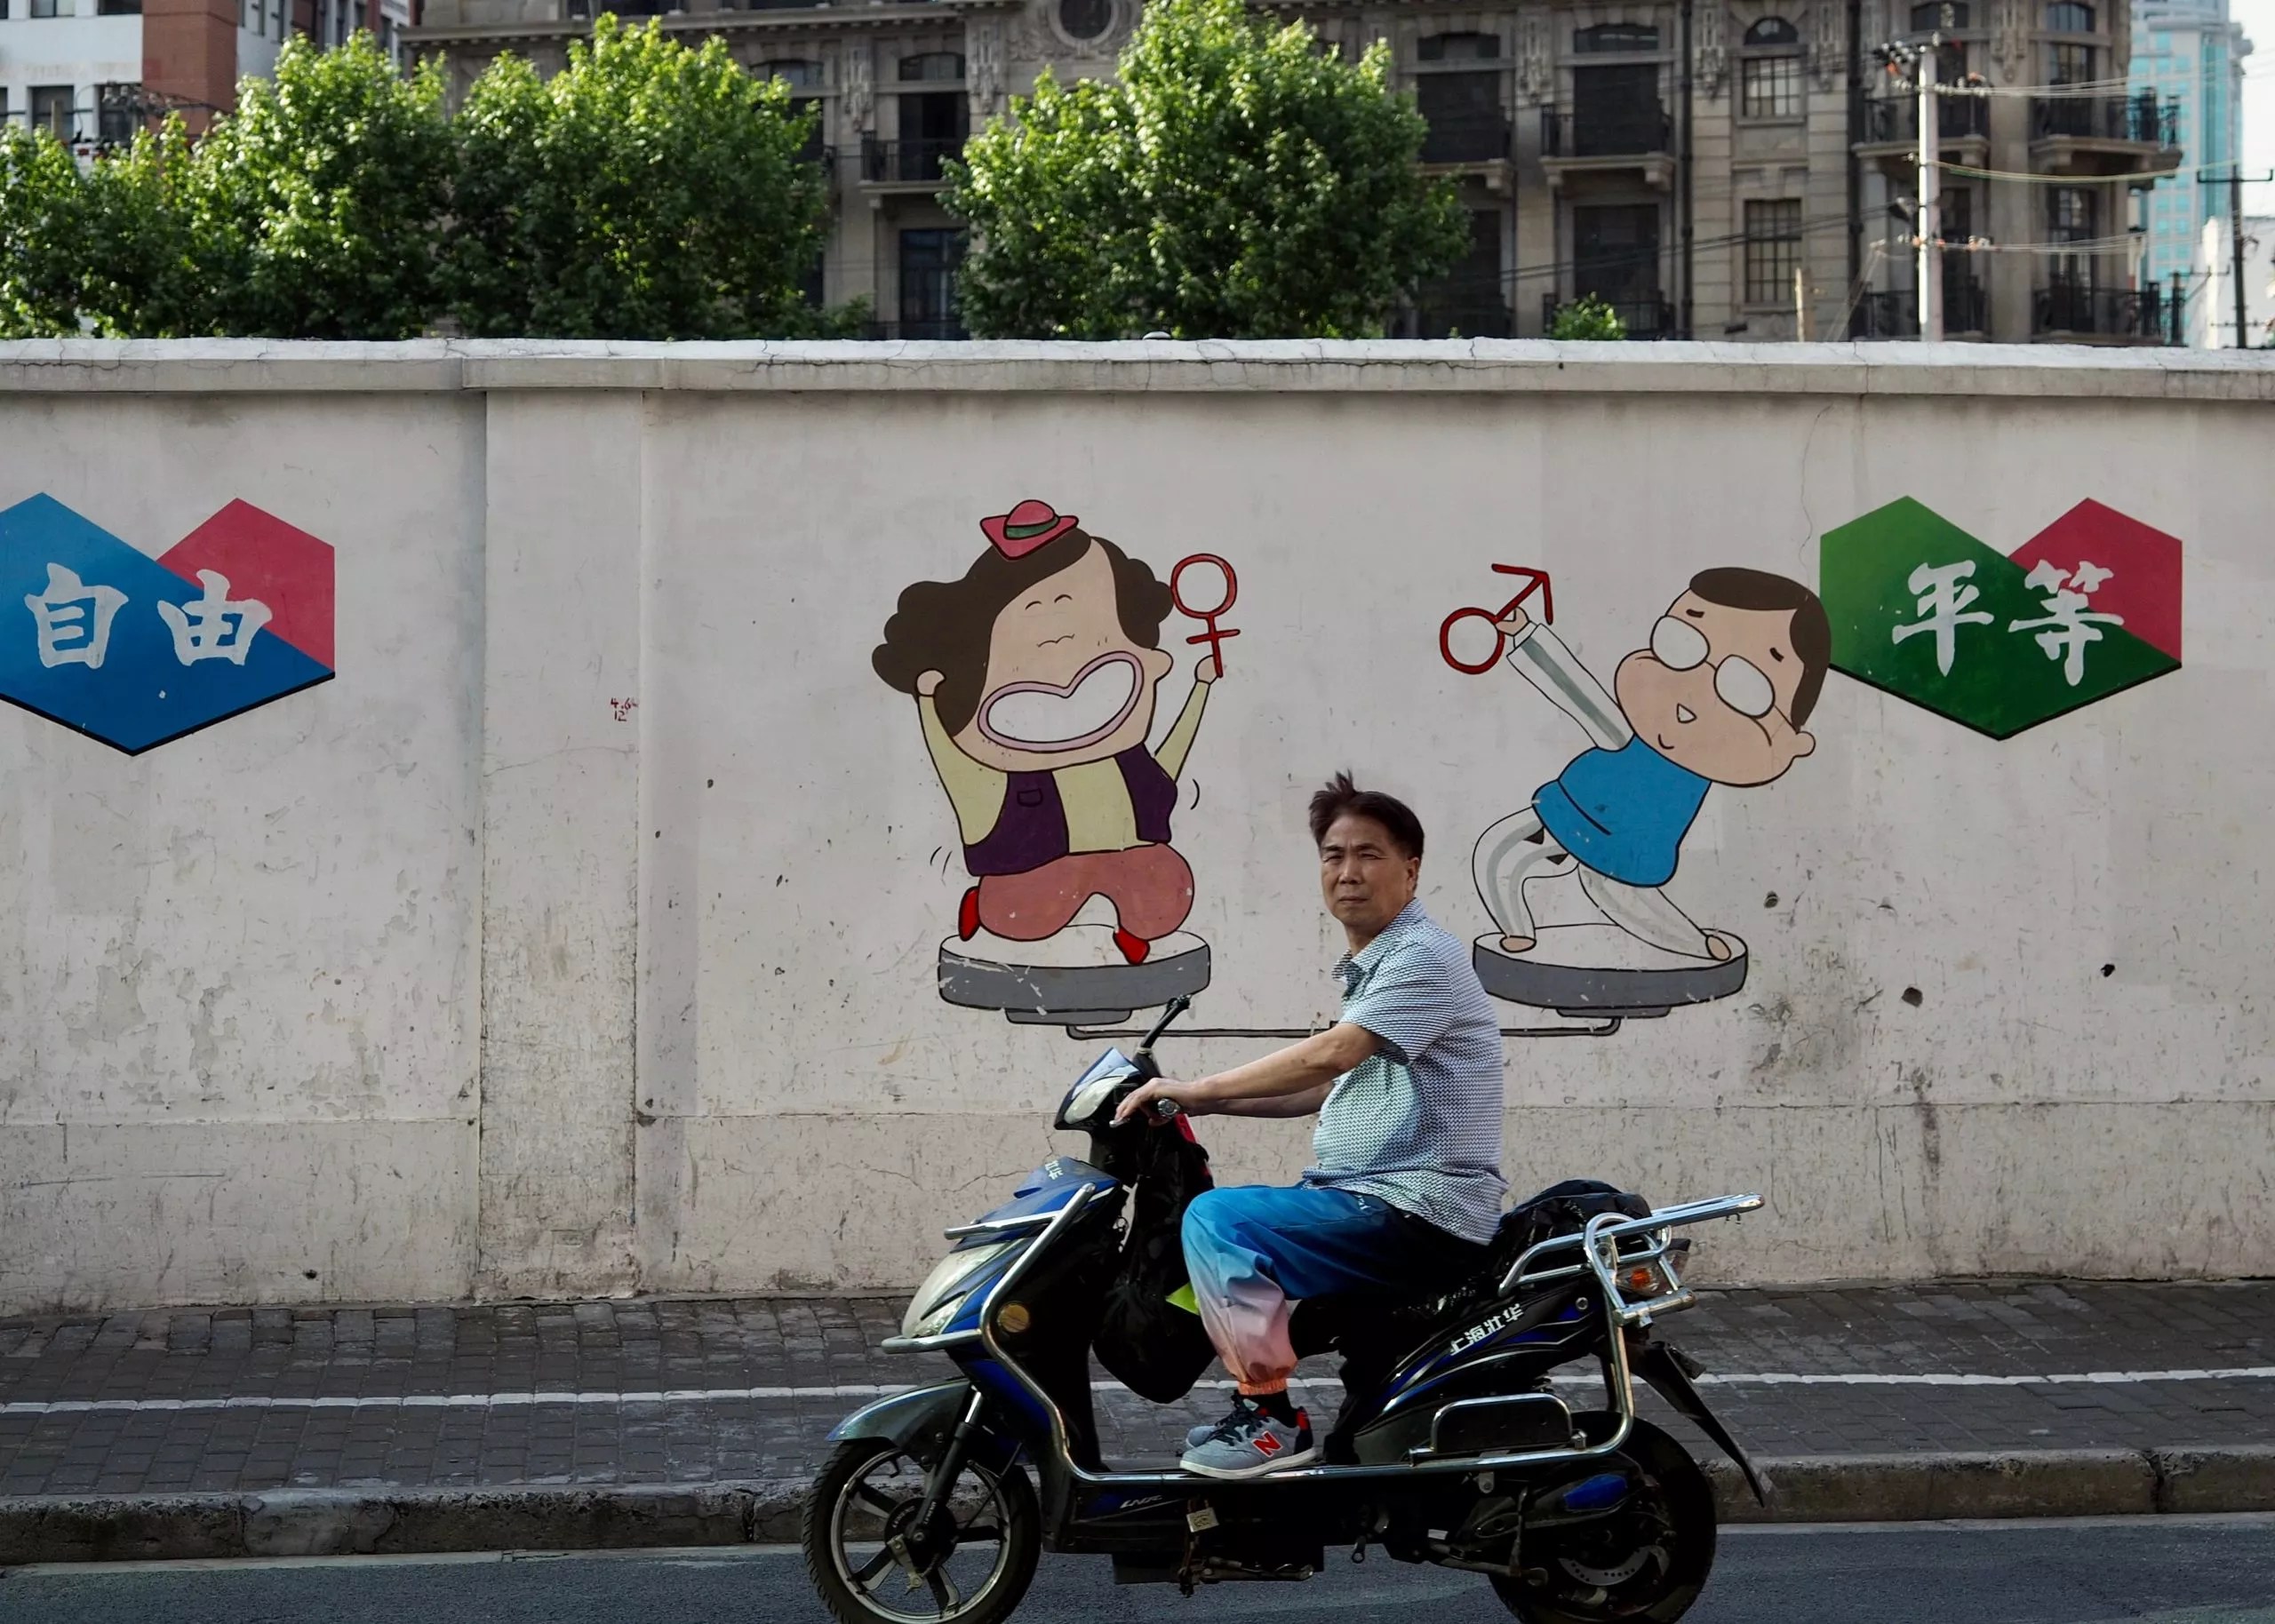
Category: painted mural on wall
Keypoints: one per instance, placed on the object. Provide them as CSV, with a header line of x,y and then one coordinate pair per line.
x,y
2088,607
1037,678
138,651
1720,693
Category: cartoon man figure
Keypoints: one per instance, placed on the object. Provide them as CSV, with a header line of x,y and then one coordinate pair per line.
x,y
1733,671
1035,678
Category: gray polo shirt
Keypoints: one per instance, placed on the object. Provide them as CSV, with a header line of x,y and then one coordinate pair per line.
x,y
1419,1123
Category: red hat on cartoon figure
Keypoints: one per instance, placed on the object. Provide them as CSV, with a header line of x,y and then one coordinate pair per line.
x,y
1030,525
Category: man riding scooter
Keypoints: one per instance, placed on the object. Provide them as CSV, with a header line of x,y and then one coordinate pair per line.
x,y
1405,1190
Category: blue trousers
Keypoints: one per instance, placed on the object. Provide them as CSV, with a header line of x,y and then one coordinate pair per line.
x,y
1255,1251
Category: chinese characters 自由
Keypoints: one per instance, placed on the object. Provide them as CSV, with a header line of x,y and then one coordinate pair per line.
x,y
73,620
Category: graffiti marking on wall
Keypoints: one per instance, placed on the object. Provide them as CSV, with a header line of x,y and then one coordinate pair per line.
x,y
1920,608
1731,671
137,651
1036,679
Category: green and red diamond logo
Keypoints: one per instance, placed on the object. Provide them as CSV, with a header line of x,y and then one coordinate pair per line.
x,y
1922,609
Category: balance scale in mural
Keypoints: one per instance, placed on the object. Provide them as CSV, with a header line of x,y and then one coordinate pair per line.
x,y
1037,678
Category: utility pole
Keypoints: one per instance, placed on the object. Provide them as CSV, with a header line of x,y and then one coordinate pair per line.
x,y
2234,183
1931,213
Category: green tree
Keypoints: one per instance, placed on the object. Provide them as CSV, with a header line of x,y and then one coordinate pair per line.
x,y
1235,181
647,191
312,212
1587,317
46,235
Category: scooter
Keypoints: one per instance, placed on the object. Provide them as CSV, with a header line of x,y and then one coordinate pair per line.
x,y
1452,1450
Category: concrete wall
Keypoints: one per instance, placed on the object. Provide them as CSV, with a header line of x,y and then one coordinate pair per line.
x,y
580,935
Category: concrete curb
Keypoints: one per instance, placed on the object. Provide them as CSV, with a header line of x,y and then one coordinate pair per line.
x,y
383,1521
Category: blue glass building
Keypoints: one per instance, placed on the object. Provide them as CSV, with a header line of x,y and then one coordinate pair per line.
x,y
2191,51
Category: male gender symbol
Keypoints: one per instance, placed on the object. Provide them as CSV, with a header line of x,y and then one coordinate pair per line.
x,y
1535,580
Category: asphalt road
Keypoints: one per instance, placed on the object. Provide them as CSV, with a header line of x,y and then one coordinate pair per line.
x,y
2167,1571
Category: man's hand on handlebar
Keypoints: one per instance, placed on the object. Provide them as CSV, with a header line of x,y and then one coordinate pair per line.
x,y
1160,1100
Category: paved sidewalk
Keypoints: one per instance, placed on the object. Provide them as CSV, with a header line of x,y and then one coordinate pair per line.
x,y
656,1395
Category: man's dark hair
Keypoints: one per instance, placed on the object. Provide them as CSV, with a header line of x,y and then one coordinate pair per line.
x,y
1812,633
1341,796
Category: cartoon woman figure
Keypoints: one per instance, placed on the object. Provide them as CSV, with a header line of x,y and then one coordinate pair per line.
x,y
1035,677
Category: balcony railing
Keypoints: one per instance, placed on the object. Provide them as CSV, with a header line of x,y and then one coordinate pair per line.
x,y
1605,132
2076,308
1650,316
1474,139
906,161
1891,119
1894,313
2141,118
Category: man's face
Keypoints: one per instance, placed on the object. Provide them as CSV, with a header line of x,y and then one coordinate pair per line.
x,y
1715,690
1364,877
1065,683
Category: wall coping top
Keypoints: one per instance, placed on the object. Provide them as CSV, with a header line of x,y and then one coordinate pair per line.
x,y
235,366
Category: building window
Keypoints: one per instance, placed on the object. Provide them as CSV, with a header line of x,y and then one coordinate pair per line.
x,y
52,110
929,258
1615,36
1769,87
946,67
2070,214
118,8
2069,17
1769,77
1931,19
1458,48
798,76
117,109
42,8
2072,65
1773,250
1085,18
1956,210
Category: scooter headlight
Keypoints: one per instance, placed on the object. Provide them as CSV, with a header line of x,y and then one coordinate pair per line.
x,y
934,1304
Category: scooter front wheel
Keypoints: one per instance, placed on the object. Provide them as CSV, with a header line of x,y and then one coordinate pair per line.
x,y
1646,1561
872,1563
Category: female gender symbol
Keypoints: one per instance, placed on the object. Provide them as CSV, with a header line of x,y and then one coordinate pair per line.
x,y
1535,580
1214,637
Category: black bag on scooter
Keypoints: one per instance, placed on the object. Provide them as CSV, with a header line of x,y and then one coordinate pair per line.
x,y
1154,1347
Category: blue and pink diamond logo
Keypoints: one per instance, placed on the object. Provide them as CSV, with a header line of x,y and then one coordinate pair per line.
x,y
138,651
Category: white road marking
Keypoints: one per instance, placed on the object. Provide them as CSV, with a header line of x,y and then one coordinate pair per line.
x,y
736,1395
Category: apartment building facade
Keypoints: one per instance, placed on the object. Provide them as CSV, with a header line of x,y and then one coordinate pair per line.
x,y
92,72
1709,168
2191,53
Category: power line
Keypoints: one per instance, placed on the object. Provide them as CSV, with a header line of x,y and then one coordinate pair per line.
x,y
1622,258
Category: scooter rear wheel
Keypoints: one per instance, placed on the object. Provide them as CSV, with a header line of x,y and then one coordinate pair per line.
x,y
1647,1562
871,1564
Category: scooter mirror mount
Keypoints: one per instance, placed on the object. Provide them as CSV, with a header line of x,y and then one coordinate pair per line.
x,y
1144,1057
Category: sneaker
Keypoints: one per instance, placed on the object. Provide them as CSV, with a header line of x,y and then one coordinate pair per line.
x,y
1195,1436
1251,1444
